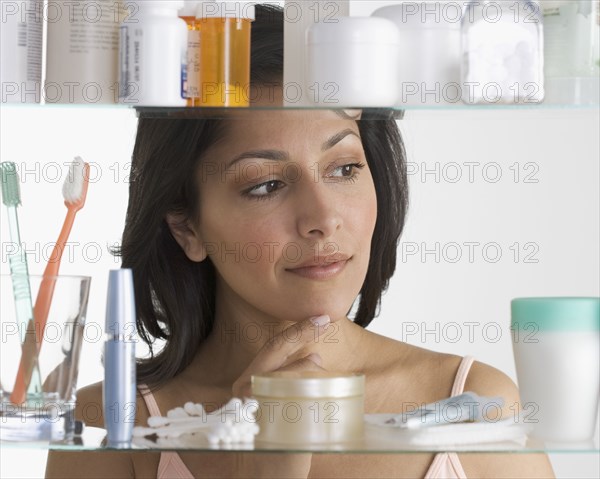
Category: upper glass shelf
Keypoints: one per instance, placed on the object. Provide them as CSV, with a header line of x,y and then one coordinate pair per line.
x,y
562,93
93,439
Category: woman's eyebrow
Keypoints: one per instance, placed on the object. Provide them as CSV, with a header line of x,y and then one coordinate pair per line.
x,y
335,139
279,155
275,155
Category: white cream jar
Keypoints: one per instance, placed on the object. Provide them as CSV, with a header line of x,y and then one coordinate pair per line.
x,y
352,62
308,407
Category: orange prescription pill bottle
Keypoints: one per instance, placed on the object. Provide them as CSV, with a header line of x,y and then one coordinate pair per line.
x,y
190,84
224,76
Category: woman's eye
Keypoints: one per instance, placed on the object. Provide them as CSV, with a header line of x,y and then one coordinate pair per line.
x,y
264,190
349,171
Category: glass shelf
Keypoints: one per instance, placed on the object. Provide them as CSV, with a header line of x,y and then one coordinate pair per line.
x,y
210,112
561,93
93,439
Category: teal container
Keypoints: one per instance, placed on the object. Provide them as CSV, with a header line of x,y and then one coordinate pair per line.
x,y
556,314
556,345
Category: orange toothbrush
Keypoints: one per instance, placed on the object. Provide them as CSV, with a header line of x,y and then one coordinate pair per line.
x,y
74,192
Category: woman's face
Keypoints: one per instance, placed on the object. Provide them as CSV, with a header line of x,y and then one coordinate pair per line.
x,y
281,190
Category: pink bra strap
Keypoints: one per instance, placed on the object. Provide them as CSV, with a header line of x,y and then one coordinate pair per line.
x,y
447,464
148,398
461,375
170,464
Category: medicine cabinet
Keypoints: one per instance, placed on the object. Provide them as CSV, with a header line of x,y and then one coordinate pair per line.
x,y
567,96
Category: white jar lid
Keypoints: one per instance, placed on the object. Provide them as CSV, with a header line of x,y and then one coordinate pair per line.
x,y
423,15
308,384
354,30
226,9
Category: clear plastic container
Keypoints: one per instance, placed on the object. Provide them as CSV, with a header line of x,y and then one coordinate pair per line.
x,y
571,38
502,45
309,407
224,75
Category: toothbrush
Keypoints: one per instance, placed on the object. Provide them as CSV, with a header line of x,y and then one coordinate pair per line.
x,y
466,407
74,192
11,197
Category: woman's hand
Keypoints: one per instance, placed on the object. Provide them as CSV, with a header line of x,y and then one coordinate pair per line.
x,y
279,352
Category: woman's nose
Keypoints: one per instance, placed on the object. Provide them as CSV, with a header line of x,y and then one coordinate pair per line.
x,y
318,212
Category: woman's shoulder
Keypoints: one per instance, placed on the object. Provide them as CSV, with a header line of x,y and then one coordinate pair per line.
x,y
89,406
397,357
435,372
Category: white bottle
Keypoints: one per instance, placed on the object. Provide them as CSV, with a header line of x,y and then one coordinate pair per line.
x,y
299,15
153,55
21,31
82,51
429,55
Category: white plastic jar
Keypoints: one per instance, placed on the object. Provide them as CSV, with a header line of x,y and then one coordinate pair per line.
x,y
309,407
351,63
153,55
429,56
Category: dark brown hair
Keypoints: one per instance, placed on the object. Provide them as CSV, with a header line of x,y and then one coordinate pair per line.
x,y
175,297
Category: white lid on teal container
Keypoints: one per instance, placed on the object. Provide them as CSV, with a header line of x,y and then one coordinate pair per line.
x,y
556,313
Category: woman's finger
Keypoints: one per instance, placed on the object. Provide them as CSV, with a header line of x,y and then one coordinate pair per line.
x,y
278,350
312,362
280,347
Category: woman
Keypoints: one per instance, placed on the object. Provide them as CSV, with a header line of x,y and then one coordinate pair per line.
x,y
275,221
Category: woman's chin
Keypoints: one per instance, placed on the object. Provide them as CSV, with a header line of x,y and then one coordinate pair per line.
x,y
332,309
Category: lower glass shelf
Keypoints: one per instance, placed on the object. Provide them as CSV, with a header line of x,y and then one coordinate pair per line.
x,y
93,439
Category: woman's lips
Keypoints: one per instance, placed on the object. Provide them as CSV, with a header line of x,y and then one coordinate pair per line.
x,y
320,272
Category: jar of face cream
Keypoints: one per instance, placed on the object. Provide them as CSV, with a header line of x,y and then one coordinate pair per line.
x,y
352,62
309,407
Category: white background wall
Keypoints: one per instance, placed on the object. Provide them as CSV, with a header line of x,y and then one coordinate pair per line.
x,y
461,307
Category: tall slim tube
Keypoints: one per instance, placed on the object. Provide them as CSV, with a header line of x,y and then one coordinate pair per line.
x,y
119,360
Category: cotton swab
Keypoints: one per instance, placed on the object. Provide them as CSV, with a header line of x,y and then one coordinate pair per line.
x,y
218,427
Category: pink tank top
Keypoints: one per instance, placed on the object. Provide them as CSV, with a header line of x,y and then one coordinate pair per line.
x,y
445,465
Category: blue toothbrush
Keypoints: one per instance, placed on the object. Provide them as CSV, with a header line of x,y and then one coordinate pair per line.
x,y
11,197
